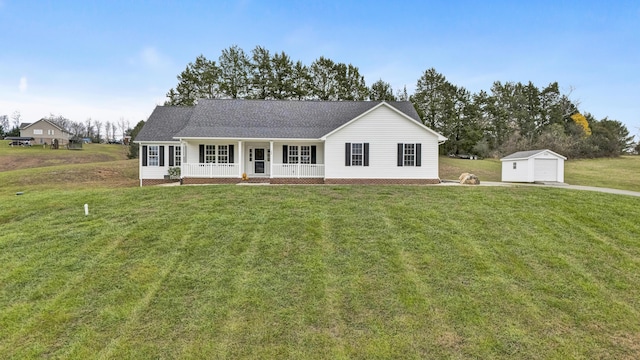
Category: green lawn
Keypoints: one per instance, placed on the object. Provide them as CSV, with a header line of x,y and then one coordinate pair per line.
x,y
319,272
617,173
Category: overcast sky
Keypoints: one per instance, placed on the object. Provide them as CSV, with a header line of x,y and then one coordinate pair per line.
x,y
112,59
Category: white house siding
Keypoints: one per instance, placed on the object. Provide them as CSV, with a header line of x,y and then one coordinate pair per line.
x,y
155,172
519,174
383,129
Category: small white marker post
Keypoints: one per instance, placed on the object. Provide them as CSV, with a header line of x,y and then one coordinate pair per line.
x,y
86,209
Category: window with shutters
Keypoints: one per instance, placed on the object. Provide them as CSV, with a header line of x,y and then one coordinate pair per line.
x,y
153,157
409,154
177,156
356,154
209,153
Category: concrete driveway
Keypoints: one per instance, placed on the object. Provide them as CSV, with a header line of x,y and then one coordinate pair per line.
x,y
552,184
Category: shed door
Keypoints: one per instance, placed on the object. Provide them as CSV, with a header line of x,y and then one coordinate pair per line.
x,y
545,170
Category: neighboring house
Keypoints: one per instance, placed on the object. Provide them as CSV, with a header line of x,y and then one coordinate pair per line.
x,y
44,131
309,142
534,165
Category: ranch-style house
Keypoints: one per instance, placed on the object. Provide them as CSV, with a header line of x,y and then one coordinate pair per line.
x,y
288,142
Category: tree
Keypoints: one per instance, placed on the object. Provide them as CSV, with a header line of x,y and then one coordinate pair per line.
x,y
429,98
351,85
262,74
199,80
89,128
4,125
301,82
283,77
381,91
98,126
134,148
323,84
234,73
17,119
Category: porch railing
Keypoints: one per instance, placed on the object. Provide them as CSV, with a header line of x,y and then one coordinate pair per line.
x,y
210,170
298,170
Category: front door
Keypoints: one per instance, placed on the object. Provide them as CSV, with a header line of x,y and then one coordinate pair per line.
x,y
259,163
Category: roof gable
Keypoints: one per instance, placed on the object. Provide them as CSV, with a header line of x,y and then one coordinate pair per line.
x,y
28,125
404,114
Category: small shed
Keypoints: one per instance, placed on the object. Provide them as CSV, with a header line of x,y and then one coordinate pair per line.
x,y
533,165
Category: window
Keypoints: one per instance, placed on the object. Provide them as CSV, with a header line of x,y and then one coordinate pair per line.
x,y
154,155
409,154
50,132
177,156
293,154
356,154
209,153
515,166
223,154
37,131
305,154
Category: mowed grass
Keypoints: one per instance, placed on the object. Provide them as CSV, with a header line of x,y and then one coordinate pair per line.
x,y
310,272
618,173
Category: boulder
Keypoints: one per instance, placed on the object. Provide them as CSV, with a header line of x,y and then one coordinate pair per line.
x,y
469,179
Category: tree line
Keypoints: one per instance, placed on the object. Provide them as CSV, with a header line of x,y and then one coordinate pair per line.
x,y
507,118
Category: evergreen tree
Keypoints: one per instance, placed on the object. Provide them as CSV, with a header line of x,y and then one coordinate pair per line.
x,y
235,68
381,90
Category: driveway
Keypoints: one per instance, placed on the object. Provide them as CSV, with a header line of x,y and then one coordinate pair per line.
x,y
558,185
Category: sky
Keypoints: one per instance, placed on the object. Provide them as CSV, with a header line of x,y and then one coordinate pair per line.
x,y
112,60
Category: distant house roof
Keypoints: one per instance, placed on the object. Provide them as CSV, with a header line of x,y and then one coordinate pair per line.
x,y
522,155
232,118
27,125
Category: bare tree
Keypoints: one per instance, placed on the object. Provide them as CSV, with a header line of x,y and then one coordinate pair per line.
x,y
17,118
4,124
107,129
124,125
98,125
89,127
114,128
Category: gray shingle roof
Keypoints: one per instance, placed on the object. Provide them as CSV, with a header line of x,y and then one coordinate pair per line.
x,y
526,154
164,122
276,119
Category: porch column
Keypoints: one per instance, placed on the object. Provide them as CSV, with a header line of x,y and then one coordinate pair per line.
x,y
271,159
241,159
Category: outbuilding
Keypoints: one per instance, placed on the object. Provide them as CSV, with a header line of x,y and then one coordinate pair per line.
x,y
533,165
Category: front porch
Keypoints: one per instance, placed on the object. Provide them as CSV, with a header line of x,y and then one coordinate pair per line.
x,y
273,161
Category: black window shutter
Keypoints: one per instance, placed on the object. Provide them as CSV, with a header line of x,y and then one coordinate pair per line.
x,y
347,154
201,153
400,154
231,153
418,154
366,154
285,154
144,155
171,155
161,155
313,154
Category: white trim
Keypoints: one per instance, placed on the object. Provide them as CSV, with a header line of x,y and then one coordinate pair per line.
x,y
507,158
412,120
244,139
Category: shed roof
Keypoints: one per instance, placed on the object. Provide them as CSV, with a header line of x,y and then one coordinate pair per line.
x,y
523,155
